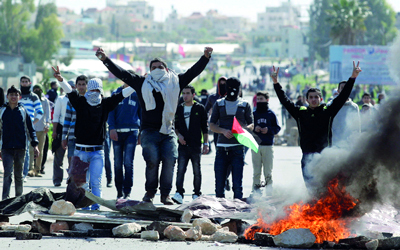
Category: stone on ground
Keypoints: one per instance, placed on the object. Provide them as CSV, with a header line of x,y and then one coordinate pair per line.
x,y
194,233
223,235
126,230
207,227
175,233
150,235
62,207
300,238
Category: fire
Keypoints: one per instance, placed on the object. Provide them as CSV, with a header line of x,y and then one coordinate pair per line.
x,y
323,217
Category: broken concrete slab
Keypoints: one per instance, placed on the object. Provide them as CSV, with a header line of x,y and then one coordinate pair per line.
x,y
62,207
126,230
17,228
390,243
41,226
194,233
295,238
175,233
150,235
223,235
207,227
82,227
186,216
58,226
158,226
28,236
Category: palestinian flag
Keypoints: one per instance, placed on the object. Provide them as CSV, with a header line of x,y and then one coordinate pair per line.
x,y
243,136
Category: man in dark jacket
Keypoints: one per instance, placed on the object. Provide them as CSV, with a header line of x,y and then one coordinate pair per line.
x,y
158,94
315,121
92,111
265,127
192,130
16,130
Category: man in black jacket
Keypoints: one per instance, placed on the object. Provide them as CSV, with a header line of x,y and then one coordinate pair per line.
x,y
315,121
92,111
158,94
192,130
15,130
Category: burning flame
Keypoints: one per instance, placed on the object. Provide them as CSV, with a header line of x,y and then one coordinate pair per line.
x,y
323,217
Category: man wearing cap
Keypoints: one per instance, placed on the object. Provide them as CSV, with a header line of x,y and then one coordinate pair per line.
x,y
58,150
41,128
33,106
92,111
158,94
230,153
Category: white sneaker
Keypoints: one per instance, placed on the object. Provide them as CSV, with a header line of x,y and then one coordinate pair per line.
x,y
178,198
25,179
195,196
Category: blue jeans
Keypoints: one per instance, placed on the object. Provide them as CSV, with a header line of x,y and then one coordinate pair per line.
x,y
26,162
307,176
107,161
158,148
124,152
193,154
94,174
229,157
71,147
13,160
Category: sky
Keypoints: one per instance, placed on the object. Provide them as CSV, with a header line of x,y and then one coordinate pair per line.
x,y
162,8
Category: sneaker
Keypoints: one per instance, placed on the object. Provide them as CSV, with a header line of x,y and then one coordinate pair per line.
x,y
119,197
38,175
195,196
148,197
227,185
178,198
57,184
109,184
25,179
166,200
127,196
31,173
42,171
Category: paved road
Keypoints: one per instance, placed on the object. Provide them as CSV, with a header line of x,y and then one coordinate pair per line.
x,y
286,177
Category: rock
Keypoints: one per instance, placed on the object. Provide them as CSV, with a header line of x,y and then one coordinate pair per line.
x,y
372,245
62,207
236,226
158,226
126,230
82,227
58,226
341,246
175,233
242,240
295,238
328,245
17,228
224,236
150,235
7,233
206,238
264,239
194,233
75,234
41,226
186,216
28,236
390,243
207,227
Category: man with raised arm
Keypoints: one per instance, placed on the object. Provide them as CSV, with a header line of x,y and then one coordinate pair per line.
x,y
315,121
158,94
92,111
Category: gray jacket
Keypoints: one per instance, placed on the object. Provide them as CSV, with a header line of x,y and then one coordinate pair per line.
x,y
45,119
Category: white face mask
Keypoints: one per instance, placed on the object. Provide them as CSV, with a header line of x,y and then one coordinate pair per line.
x,y
158,74
93,98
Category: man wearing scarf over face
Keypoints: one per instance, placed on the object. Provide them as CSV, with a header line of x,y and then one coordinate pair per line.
x,y
229,151
265,127
92,111
158,94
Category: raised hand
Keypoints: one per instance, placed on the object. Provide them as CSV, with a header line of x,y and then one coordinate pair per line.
x,y
356,69
57,74
208,51
274,75
101,54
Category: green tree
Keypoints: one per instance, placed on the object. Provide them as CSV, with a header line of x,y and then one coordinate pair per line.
x,y
14,16
319,36
347,20
39,45
380,25
43,11
93,31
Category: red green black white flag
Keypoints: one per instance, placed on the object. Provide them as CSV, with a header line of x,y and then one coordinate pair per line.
x,y
243,136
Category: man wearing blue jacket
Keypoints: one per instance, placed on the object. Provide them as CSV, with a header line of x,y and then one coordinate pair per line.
x,y
265,127
124,125
16,130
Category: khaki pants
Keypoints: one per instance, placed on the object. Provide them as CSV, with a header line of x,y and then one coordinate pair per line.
x,y
41,135
263,160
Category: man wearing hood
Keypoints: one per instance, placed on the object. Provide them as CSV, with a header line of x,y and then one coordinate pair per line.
x,y
33,106
230,153
92,111
265,127
41,128
158,94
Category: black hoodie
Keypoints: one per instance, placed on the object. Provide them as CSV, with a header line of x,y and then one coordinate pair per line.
x,y
214,97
